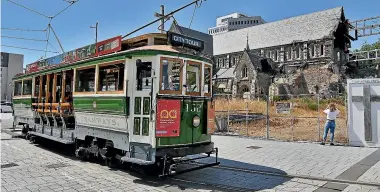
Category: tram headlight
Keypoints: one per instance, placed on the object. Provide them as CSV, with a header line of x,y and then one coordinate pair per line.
x,y
196,121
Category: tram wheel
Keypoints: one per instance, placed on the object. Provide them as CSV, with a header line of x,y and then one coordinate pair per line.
x,y
33,139
110,162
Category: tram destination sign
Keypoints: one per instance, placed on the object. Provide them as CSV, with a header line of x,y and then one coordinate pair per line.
x,y
176,39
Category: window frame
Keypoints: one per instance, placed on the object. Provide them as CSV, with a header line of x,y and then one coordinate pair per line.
x,y
244,72
322,50
198,93
203,80
31,87
14,86
174,92
75,92
97,79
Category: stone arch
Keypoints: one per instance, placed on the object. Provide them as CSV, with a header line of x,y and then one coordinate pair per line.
x,y
243,89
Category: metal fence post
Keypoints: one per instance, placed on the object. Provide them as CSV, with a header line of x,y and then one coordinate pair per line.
x,y
318,119
267,119
246,117
228,114
346,107
292,123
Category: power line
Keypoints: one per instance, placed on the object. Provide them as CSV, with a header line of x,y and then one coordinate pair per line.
x,y
19,29
171,13
47,37
59,42
71,3
27,48
11,37
29,9
195,8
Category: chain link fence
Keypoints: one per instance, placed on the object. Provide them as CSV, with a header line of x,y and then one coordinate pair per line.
x,y
280,117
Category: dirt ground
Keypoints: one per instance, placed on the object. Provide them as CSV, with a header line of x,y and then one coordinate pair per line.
x,y
301,124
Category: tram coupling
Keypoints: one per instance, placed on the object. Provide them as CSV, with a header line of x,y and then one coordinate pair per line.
x,y
169,165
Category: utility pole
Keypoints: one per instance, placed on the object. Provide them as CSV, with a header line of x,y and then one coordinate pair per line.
x,y
162,16
96,32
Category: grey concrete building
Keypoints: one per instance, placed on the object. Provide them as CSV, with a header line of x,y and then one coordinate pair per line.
x,y
318,40
233,22
11,64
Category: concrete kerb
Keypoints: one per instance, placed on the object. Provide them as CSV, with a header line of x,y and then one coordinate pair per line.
x,y
14,132
263,138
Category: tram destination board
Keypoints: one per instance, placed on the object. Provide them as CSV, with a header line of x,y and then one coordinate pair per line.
x,y
176,39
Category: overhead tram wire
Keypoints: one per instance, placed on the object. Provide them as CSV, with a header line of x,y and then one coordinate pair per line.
x,y
71,3
47,30
27,48
195,8
11,37
19,29
29,9
169,14
59,42
47,36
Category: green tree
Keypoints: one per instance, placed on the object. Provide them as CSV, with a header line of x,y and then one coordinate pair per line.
x,y
367,47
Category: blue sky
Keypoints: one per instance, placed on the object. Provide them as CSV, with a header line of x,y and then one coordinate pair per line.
x,y
118,17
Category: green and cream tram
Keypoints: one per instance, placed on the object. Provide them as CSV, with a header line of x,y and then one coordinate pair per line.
x,y
145,100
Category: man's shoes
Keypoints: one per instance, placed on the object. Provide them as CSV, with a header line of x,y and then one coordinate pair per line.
x,y
322,143
331,143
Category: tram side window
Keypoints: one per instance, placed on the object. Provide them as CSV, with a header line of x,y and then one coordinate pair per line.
x,y
170,75
207,86
17,88
43,86
111,77
85,80
193,71
37,86
143,75
58,90
27,88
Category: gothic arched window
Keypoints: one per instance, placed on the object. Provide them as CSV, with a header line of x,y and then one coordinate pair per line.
x,y
244,72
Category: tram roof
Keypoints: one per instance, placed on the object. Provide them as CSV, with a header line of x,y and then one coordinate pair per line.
x,y
144,50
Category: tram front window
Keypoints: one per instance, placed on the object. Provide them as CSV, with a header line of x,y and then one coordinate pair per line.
x,y
143,76
170,75
193,71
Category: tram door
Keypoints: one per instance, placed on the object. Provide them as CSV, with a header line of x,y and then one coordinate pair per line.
x,y
140,86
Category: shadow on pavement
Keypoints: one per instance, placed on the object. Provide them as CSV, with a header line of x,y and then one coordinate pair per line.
x,y
213,178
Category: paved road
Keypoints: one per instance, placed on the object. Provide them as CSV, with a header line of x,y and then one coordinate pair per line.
x,y
38,168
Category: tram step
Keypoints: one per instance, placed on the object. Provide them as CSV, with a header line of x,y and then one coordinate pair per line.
x,y
137,161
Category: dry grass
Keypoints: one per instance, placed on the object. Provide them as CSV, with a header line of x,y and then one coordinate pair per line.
x,y
300,124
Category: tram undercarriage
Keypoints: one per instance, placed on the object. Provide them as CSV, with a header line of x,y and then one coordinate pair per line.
x,y
92,149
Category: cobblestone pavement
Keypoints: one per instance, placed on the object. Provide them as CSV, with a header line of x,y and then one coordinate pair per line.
x,y
293,158
41,169
38,169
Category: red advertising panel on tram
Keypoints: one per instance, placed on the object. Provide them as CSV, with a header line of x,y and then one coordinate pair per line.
x,y
168,118
108,46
